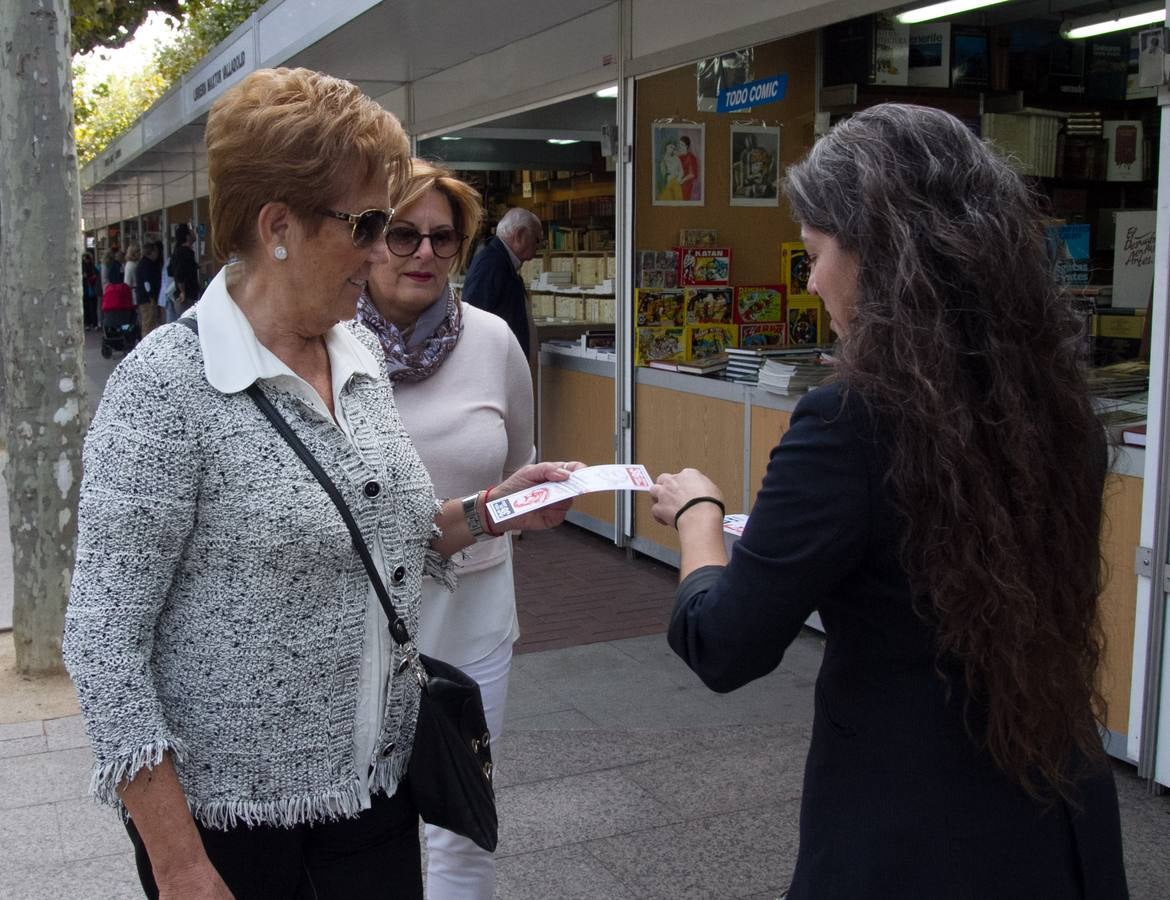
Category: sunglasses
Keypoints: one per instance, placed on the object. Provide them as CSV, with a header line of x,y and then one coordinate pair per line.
x,y
404,241
368,226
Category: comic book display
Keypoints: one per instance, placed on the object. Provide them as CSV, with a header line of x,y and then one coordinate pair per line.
x,y
660,344
795,269
759,303
710,305
763,336
659,307
706,341
806,321
704,265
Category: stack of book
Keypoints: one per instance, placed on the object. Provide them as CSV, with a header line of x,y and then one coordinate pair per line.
x,y
711,365
795,373
1119,380
744,364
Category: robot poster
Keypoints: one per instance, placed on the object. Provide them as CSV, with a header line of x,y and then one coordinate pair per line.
x,y
755,165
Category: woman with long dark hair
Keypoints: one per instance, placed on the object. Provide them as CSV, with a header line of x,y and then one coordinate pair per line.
x,y
939,503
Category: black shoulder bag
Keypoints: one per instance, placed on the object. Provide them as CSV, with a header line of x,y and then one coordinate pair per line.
x,y
450,770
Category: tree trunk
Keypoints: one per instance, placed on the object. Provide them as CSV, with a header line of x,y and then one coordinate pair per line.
x,y
40,320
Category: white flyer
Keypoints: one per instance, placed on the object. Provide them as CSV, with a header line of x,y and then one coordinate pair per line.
x,y
735,523
583,481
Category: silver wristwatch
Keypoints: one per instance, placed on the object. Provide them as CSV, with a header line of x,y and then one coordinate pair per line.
x,y
472,518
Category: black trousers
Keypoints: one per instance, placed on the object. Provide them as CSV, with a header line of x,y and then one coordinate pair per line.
x,y
374,855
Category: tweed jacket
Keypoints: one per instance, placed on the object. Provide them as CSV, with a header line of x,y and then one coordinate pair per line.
x,y
217,605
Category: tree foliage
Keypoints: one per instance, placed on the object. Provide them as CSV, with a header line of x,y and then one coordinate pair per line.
x,y
111,23
105,109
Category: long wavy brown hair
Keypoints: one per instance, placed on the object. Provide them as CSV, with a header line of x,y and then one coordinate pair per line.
x,y
967,352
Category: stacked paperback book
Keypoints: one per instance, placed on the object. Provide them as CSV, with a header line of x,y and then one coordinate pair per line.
x,y
744,364
793,372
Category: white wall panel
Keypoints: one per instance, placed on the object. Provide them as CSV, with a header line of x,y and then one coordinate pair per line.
x,y
295,24
566,58
164,117
206,84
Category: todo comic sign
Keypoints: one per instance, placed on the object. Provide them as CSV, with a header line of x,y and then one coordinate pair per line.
x,y
754,93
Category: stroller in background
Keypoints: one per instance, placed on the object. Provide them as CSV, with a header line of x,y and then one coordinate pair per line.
x,y
119,319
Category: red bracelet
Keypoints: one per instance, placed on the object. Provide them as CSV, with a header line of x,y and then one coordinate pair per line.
x,y
486,517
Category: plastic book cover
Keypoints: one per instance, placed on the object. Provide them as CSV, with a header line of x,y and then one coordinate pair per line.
x,y
714,305
763,335
1068,248
704,341
698,237
663,344
759,303
660,307
704,265
805,322
794,269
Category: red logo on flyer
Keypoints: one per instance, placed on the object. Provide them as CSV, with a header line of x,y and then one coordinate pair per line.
x,y
536,495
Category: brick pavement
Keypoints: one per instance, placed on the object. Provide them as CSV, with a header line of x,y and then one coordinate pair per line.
x,y
574,587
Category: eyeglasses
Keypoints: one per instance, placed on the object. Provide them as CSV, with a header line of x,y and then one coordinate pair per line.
x,y
404,241
368,226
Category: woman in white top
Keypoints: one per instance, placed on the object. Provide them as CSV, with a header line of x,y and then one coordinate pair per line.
x,y
463,390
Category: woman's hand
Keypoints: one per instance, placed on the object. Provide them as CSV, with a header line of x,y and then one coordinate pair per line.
x,y
670,492
530,476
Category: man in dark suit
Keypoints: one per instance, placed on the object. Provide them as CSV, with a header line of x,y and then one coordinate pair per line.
x,y
493,280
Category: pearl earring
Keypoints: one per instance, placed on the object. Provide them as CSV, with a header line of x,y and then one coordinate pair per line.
x,y
280,252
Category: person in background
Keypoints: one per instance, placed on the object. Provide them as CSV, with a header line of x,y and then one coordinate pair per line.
x,y
244,701
112,269
493,281
940,505
91,291
184,268
130,271
462,387
146,291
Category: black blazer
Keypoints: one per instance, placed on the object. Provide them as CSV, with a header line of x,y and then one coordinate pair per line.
x,y
493,284
898,800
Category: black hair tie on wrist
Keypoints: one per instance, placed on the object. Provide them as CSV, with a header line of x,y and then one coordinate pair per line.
x,y
693,502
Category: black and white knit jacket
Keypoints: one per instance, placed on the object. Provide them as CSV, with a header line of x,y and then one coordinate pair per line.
x,y
217,605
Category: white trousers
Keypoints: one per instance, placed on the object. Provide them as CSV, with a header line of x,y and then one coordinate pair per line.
x,y
456,868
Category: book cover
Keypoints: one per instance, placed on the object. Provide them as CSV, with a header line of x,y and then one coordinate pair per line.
x,y
1133,258
704,265
709,305
712,365
1143,72
1124,162
1069,250
805,321
705,341
1134,436
660,343
759,303
794,269
891,49
659,307
698,237
930,54
763,335
1106,67
970,58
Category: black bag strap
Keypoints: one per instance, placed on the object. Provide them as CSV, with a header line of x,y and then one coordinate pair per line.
x,y
397,625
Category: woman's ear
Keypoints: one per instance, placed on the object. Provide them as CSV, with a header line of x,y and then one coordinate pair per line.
x,y
274,226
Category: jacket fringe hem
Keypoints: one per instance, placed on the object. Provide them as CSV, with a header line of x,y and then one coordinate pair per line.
x,y
108,777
